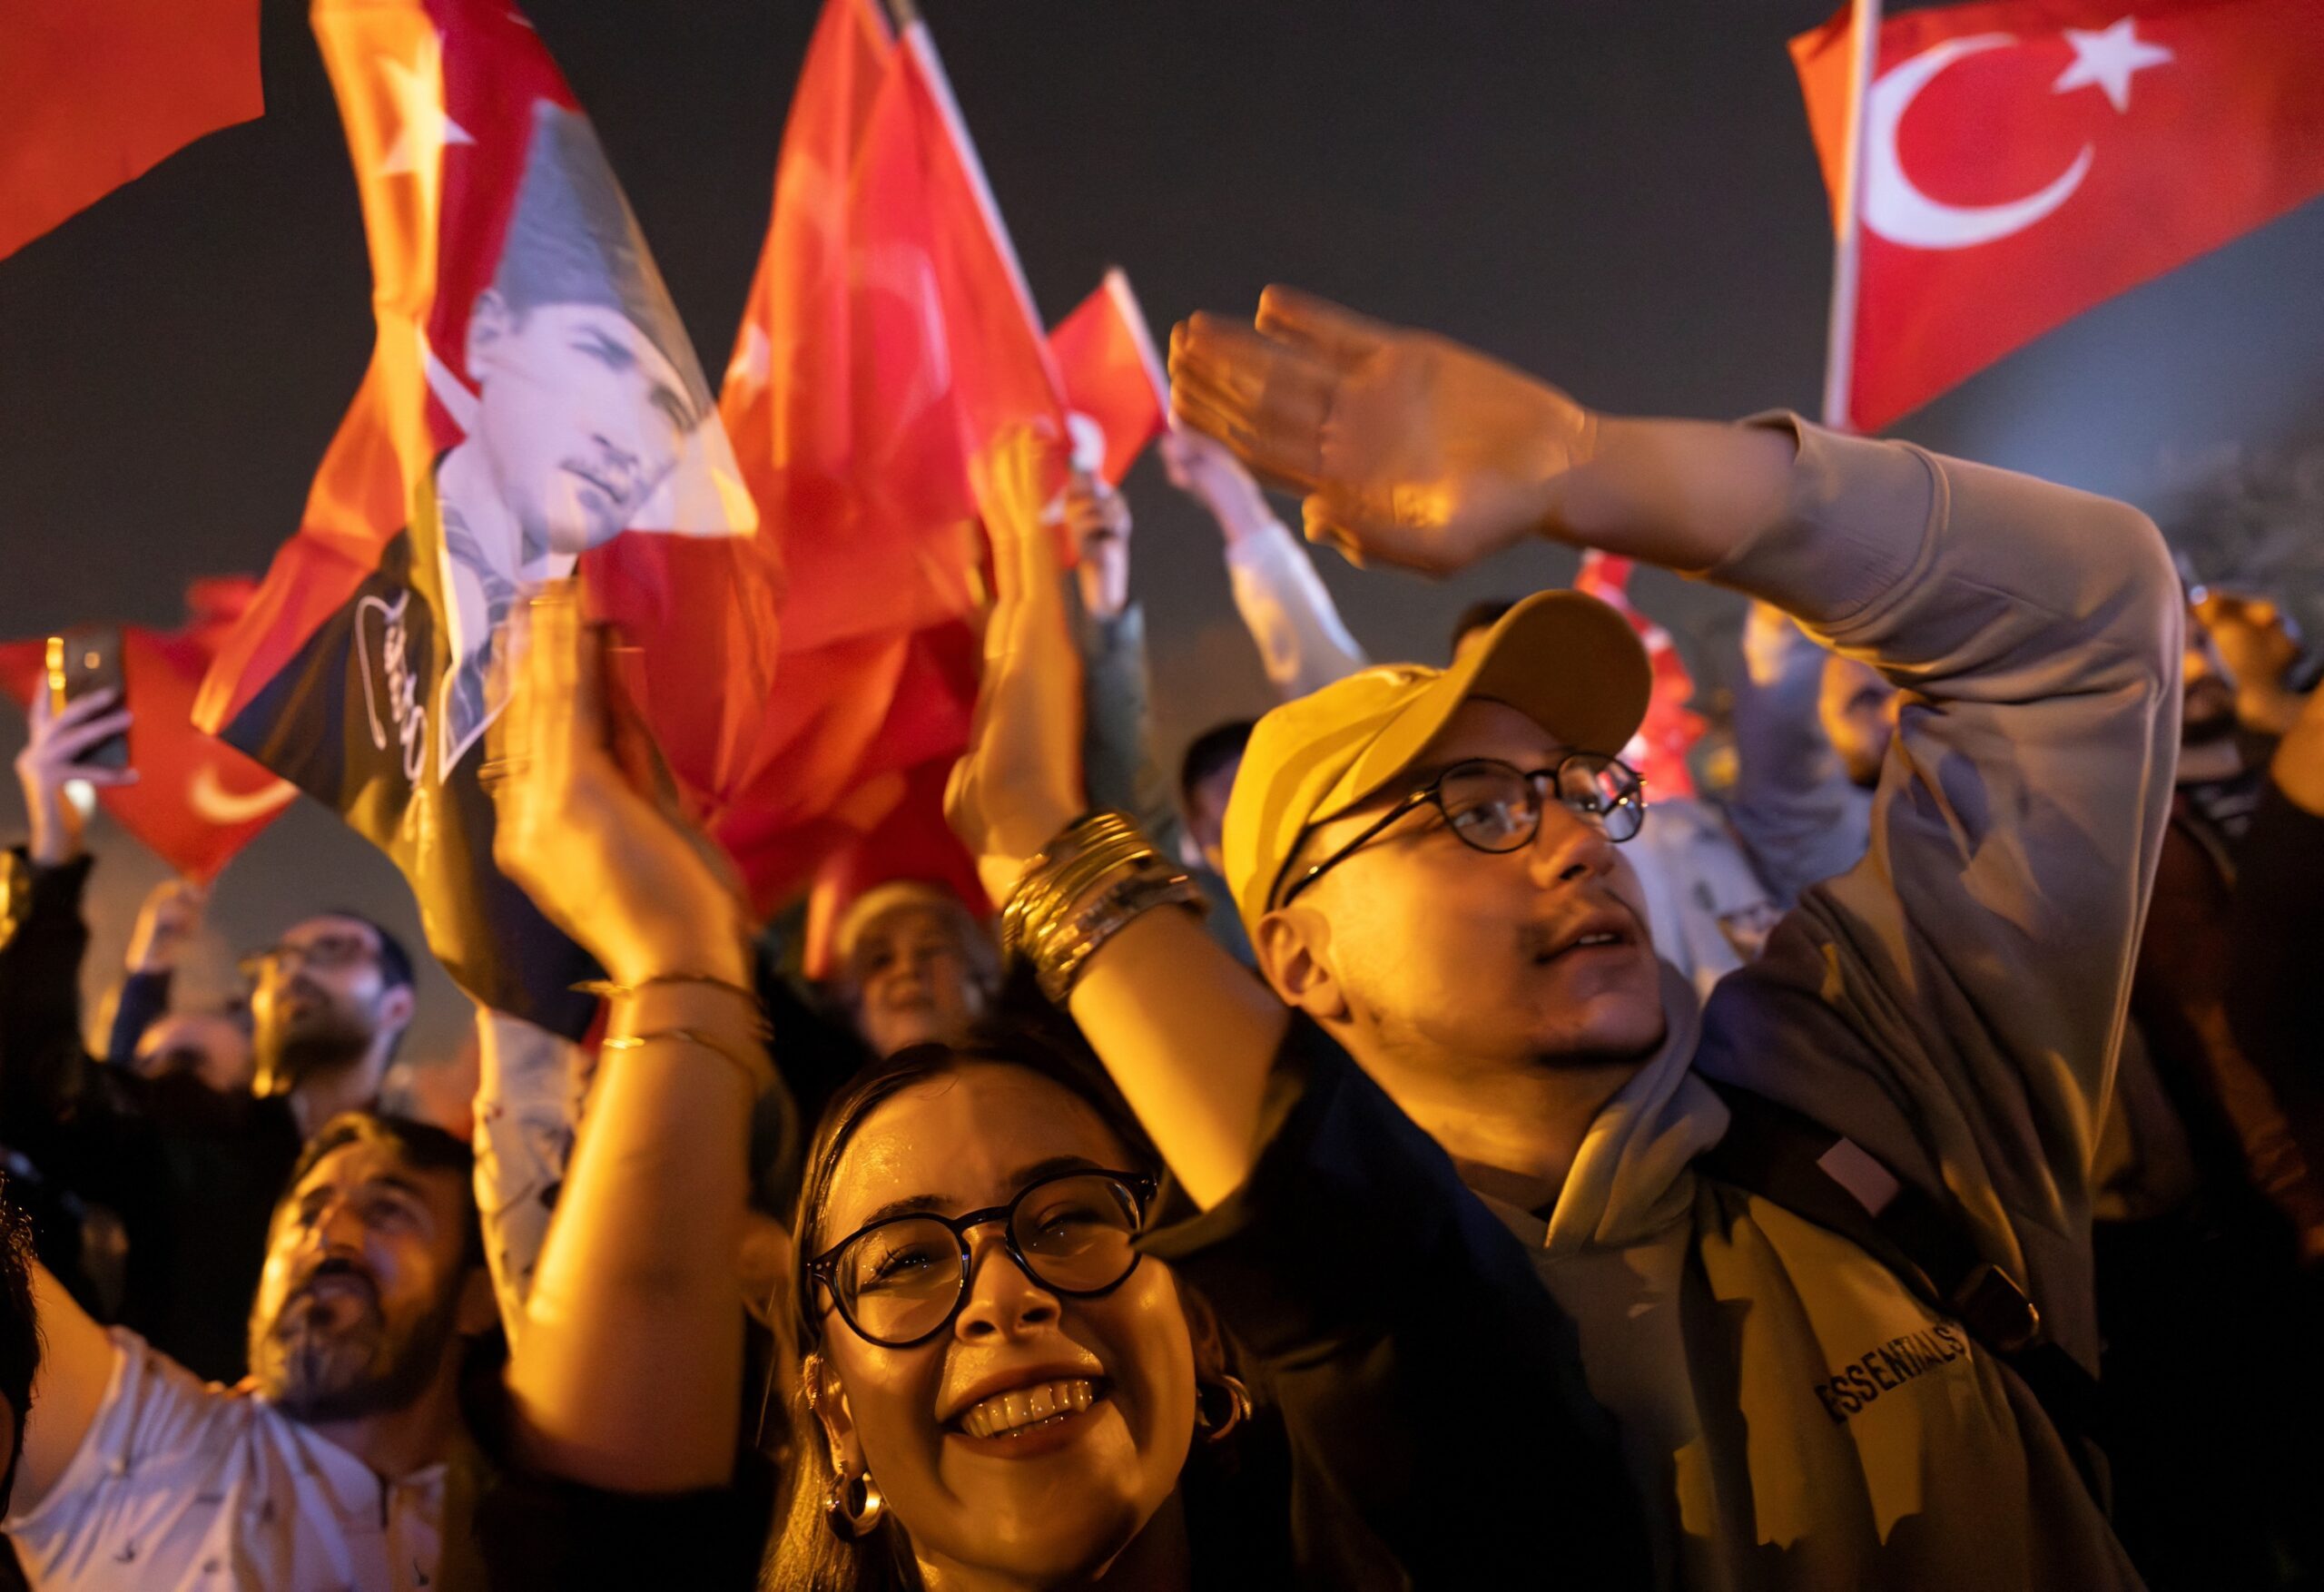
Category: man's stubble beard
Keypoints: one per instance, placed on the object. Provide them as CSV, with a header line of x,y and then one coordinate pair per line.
x,y
363,1369
326,1042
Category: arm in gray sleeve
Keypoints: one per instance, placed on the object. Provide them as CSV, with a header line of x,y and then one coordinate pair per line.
x,y
1118,768
1302,642
1955,1002
1794,805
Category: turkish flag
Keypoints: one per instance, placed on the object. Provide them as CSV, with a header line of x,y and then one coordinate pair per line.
x,y
533,407
889,339
94,92
197,800
1112,378
1671,728
2025,161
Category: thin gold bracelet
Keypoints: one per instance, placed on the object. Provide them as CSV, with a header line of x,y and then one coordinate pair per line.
x,y
758,1072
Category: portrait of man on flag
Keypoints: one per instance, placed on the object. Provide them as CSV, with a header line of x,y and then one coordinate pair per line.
x,y
587,392
533,395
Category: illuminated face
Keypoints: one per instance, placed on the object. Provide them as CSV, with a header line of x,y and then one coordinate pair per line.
x,y
1451,958
579,414
320,1000
360,1294
1045,1504
1858,707
910,981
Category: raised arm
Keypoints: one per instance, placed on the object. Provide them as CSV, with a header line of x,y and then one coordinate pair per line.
x,y
1793,802
528,1101
1304,644
76,1364
627,1372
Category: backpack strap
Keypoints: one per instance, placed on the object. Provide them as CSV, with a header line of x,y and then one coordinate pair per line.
x,y
1827,1178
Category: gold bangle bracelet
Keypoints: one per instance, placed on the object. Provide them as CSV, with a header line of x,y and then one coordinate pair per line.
x,y
757,1070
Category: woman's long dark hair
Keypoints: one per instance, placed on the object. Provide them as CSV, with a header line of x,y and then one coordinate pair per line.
x,y
804,1555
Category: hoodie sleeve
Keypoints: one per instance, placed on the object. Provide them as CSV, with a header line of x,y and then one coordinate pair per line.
x,y
1955,1001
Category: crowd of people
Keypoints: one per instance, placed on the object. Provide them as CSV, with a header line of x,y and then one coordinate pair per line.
x,y
1401,1150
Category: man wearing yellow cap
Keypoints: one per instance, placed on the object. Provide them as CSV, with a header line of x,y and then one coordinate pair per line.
x,y
1826,1242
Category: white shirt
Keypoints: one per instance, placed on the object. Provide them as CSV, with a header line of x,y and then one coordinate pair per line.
x,y
180,1484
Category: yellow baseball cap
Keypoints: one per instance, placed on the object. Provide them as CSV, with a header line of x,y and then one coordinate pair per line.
x,y
1568,662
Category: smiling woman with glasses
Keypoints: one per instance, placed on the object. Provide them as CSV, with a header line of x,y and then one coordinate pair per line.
x,y
1018,1368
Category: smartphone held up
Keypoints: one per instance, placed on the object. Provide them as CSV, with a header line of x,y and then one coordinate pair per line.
x,y
82,662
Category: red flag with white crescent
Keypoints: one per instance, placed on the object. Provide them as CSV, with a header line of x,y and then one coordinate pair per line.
x,y
2023,161
532,402
197,800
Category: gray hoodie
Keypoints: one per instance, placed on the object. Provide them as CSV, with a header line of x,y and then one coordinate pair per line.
x,y
1953,1005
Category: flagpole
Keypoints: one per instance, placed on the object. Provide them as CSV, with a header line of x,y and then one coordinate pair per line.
x,y
1840,339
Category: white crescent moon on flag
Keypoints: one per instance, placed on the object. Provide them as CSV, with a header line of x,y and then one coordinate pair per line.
x,y
213,801
1901,212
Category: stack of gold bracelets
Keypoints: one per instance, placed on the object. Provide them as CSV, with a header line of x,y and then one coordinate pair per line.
x,y
1086,886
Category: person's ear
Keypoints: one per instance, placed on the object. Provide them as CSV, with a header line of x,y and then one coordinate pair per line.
x,y
478,1311
828,1399
489,321
395,1008
1293,944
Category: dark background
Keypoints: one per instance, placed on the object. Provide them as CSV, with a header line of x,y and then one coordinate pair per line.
x,y
1621,197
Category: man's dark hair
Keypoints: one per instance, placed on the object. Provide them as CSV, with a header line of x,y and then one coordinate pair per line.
x,y
422,1145
395,962
1482,616
1210,752
19,1328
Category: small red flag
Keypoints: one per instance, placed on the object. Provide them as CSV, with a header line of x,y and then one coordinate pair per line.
x,y
1112,378
2023,161
1671,728
94,92
197,800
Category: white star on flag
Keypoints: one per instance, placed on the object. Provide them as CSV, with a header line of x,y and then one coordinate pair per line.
x,y
425,129
2108,57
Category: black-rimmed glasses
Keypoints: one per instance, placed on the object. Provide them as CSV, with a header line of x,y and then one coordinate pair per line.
x,y
325,951
1495,806
900,1282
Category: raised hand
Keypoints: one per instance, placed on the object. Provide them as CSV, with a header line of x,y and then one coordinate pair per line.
x,y
1021,780
1411,449
1098,520
1206,470
51,759
170,917
588,825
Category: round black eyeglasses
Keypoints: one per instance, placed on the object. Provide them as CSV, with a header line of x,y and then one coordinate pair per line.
x,y
900,1282
1493,806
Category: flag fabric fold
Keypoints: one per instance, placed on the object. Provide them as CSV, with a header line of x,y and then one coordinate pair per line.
x,y
889,339
2023,161
95,93
533,410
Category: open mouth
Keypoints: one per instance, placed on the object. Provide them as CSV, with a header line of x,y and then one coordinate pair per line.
x,y
1595,940
1023,1411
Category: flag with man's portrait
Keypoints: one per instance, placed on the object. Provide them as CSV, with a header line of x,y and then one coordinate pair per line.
x,y
532,404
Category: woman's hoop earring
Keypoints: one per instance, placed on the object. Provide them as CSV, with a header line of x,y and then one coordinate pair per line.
x,y
848,1522
1215,1424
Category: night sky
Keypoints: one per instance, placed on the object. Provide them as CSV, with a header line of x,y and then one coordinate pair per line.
x,y
1622,198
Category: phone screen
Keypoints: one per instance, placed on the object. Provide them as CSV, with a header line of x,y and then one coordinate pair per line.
x,y
83,661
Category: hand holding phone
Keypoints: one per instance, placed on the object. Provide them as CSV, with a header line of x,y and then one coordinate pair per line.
x,y
79,731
